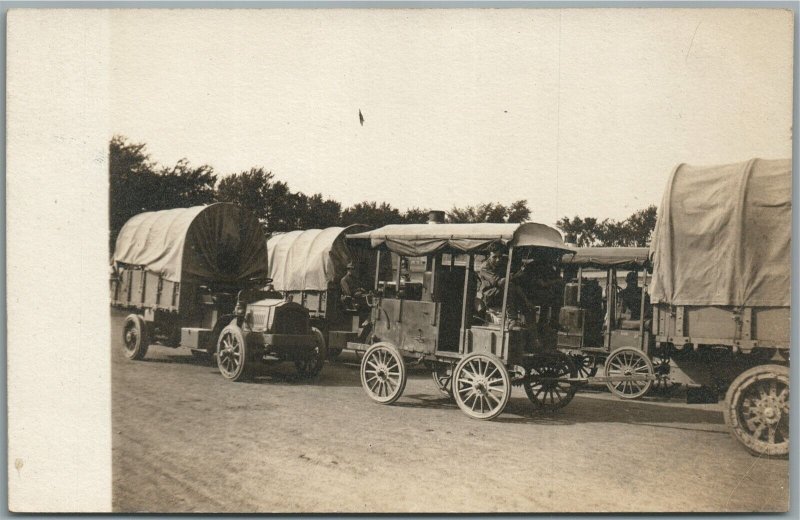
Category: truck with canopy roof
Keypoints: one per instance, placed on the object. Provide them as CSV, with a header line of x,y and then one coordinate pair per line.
x,y
307,267
475,358
191,278
721,253
598,329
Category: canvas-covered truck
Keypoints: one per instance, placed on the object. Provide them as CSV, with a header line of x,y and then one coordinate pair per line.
x,y
307,267
721,290
192,277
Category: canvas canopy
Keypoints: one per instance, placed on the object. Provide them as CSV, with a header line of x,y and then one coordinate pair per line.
x,y
424,239
722,236
605,257
308,260
220,243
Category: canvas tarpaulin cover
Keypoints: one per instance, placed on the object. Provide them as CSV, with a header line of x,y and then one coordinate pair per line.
x,y
628,257
723,234
220,243
424,239
308,260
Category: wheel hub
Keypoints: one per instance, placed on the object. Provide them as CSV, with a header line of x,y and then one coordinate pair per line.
x,y
769,410
480,386
383,374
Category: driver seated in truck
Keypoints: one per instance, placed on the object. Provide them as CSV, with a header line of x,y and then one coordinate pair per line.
x,y
631,296
492,277
544,288
352,294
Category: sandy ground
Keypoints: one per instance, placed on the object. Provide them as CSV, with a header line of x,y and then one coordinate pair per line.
x,y
185,439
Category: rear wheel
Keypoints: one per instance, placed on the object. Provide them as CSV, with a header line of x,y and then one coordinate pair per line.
x,y
627,362
312,363
663,385
481,386
233,356
757,410
135,337
585,365
543,386
383,373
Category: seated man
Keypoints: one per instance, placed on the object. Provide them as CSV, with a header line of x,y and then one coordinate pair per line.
x,y
351,292
631,296
492,277
544,288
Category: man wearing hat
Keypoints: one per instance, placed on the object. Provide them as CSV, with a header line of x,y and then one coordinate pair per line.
x,y
492,277
631,295
352,294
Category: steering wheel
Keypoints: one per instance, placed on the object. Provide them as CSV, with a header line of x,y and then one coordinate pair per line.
x,y
370,299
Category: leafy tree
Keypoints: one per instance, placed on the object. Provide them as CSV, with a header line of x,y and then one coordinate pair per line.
x,y
518,212
491,212
138,184
257,191
249,189
416,216
633,231
371,214
317,212
641,225
580,231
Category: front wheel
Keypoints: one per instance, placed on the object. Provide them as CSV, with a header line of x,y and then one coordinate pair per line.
x,y
311,364
757,410
135,337
233,357
481,386
383,373
628,362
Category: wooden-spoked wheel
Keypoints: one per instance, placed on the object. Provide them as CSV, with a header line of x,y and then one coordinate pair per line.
x,y
663,384
542,384
481,386
626,362
135,337
383,373
311,363
233,358
757,410
442,374
585,365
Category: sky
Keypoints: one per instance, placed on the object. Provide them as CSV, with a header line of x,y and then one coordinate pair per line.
x,y
580,112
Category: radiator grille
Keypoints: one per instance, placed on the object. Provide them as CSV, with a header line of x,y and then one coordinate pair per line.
x,y
290,320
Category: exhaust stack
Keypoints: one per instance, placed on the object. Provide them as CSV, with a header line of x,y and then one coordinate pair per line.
x,y
435,217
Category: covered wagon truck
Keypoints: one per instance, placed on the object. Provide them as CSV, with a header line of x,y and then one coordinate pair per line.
x,y
191,278
307,267
721,290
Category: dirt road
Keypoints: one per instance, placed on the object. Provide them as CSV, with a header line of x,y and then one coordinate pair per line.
x,y
187,440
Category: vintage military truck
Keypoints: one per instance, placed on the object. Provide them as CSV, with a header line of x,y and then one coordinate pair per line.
x,y
475,355
191,277
307,266
721,253
593,328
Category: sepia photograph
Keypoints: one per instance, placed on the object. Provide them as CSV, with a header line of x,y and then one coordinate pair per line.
x,y
517,260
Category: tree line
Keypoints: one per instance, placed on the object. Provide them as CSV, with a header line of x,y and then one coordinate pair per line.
x,y
138,184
